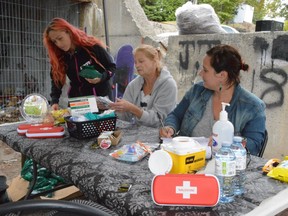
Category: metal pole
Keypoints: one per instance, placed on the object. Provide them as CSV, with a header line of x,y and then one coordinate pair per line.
x,y
106,27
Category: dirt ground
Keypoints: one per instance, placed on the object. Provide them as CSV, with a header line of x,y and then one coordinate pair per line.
x,y
10,162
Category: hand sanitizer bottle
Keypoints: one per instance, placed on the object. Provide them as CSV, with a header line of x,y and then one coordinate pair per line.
x,y
223,130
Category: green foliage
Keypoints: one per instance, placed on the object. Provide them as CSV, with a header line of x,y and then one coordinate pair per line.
x,y
161,10
276,8
164,10
285,26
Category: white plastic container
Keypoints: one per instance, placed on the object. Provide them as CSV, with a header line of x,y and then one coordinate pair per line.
x,y
223,130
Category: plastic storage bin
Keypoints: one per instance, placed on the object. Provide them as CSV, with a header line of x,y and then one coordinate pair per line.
x,y
92,128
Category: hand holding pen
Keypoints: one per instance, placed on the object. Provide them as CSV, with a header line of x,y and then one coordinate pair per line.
x,y
165,131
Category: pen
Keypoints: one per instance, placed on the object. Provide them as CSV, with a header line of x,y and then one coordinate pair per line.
x,y
160,119
162,124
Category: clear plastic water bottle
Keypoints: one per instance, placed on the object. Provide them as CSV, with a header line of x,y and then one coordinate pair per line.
x,y
241,156
225,170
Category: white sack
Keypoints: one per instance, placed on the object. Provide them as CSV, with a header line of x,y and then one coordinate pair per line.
x,y
197,19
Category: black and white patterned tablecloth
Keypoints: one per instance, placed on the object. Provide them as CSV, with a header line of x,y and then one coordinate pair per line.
x,y
99,176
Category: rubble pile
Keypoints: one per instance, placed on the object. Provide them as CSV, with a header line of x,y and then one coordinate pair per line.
x,y
10,111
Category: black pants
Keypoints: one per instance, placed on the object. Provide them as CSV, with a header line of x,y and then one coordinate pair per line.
x,y
3,187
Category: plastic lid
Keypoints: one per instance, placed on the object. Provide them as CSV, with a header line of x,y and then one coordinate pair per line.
x,y
226,143
183,145
237,138
160,162
34,108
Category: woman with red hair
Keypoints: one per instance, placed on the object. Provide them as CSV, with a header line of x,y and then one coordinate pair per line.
x,y
70,50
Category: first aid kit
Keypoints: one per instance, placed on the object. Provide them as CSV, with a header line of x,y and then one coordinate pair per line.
x,y
185,190
174,183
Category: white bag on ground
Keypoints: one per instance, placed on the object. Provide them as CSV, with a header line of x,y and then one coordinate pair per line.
x,y
197,19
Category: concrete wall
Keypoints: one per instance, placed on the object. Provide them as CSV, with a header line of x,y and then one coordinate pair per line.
x,y
126,23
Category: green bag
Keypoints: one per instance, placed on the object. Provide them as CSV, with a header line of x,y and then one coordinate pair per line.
x,y
90,72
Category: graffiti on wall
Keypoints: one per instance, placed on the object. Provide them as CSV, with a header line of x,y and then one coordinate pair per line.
x,y
189,48
274,76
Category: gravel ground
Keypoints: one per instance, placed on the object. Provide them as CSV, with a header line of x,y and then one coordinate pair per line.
x,y
10,162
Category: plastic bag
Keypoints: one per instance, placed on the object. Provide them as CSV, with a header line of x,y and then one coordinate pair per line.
x,y
45,179
133,152
197,19
90,72
281,171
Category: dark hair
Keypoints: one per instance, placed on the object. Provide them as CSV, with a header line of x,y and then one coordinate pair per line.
x,y
227,58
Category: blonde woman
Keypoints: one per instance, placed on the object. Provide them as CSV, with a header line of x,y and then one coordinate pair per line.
x,y
151,95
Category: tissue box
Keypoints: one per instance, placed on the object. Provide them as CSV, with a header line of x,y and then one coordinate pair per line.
x,y
114,137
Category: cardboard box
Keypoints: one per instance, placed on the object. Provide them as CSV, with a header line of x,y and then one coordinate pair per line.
x,y
114,137
68,193
18,189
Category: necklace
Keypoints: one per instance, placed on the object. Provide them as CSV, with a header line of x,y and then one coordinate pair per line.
x,y
147,89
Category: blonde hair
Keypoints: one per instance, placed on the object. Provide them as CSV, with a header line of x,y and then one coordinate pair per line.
x,y
153,54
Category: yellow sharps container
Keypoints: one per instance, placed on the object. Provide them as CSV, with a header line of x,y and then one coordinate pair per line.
x,y
187,155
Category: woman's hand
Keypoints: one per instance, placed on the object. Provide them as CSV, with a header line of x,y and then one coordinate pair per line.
x,y
121,105
166,132
210,141
55,107
93,81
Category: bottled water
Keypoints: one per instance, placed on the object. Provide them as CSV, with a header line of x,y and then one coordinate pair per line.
x,y
241,155
225,170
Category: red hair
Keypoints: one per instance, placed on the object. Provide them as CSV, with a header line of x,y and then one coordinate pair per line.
x,y
78,38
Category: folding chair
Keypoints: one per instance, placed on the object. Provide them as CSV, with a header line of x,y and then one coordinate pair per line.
x,y
124,70
264,143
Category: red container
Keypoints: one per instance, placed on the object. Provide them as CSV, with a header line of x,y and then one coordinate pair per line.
x,y
22,129
185,190
46,132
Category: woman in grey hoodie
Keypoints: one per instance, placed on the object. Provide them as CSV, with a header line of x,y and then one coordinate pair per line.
x,y
150,96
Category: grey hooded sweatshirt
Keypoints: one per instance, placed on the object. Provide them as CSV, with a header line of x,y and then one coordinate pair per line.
x,y
163,99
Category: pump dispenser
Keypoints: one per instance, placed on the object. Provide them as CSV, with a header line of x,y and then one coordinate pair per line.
x,y
223,113
223,130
